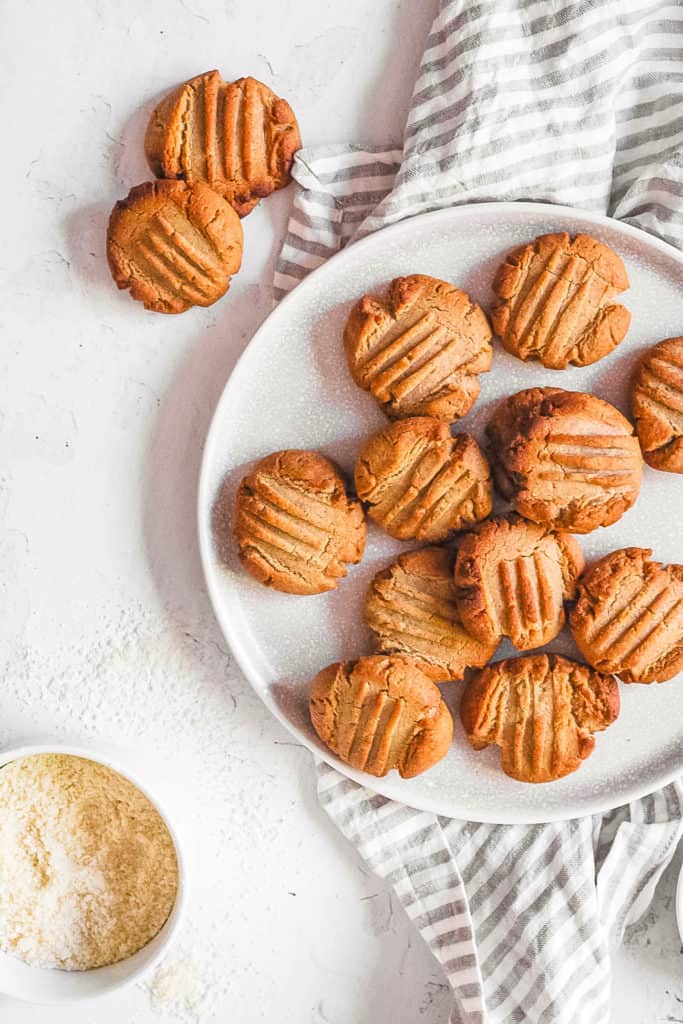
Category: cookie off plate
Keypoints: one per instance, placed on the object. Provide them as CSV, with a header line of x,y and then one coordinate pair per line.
x,y
292,389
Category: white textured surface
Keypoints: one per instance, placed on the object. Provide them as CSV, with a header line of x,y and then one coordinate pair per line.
x,y
105,627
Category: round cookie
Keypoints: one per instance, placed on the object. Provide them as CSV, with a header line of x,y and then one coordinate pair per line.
x,y
296,528
175,246
556,301
419,350
420,482
628,616
379,713
657,403
411,609
564,458
541,710
238,137
511,579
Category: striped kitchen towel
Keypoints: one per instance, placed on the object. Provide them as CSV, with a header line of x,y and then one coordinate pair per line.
x,y
578,102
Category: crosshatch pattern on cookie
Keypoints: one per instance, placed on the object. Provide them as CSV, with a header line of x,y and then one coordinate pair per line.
x,y
380,713
565,458
238,137
541,710
174,245
657,402
628,616
512,578
411,609
296,528
421,482
420,349
556,301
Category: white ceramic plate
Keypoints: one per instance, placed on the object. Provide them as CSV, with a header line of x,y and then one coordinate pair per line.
x,y
291,389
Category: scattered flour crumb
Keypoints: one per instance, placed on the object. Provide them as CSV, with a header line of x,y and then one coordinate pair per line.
x,y
180,987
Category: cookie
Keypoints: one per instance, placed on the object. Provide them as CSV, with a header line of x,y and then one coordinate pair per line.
x,y
628,616
411,609
174,245
564,458
556,301
420,482
512,578
511,420
380,713
541,710
296,528
657,403
238,137
419,350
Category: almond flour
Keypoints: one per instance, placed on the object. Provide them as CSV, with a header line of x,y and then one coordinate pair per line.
x,y
88,871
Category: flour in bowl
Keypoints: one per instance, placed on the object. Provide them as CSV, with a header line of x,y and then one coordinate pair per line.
x,y
88,871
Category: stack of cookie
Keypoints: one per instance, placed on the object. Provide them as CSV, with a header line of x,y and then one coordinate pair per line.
x,y
217,148
567,463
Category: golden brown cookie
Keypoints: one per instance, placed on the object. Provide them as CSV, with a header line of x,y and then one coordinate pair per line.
x,y
380,713
541,710
420,482
512,420
411,609
657,403
556,301
296,528
628,616
512,577
173,245
564,458
238,137
419,350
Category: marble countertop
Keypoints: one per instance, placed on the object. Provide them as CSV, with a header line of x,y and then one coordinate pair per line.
x,y
106,629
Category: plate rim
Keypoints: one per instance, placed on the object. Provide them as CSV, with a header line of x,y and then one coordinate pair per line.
x,y
320,753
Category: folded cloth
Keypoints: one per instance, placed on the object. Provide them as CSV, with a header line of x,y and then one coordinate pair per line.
x,y
566,101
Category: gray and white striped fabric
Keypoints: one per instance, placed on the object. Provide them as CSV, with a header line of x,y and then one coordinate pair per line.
x,y
571,102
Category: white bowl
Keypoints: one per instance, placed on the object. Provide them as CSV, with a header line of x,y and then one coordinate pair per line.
x,y
49,986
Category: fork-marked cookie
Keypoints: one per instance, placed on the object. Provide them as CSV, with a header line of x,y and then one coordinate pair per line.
x,y
174,245
296,527
379,713
628,616
419,350
541,710
420,482
238,137
657,403
556,300
411,609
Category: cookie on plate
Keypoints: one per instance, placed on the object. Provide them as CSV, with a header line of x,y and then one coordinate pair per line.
x,y
541,710
657,403
419,350
174,245
564,458
411,609
512,578
421,482
628,616
556,300
296,527
238,137
379,713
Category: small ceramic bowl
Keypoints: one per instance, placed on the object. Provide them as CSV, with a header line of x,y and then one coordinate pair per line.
x,y
49,986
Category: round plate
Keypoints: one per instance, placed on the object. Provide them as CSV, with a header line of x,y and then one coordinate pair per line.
x,y
291,389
